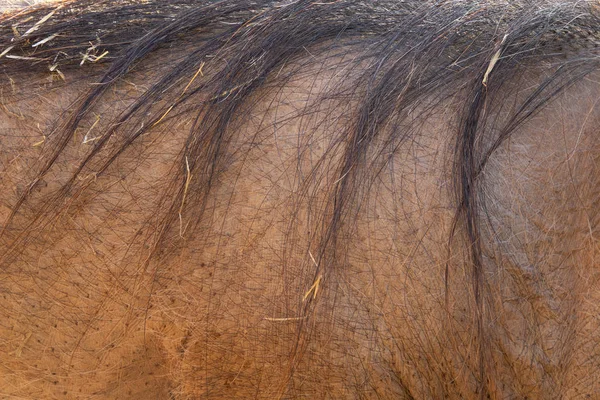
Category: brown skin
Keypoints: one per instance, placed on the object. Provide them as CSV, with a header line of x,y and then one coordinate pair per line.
x,y
221,314
545,185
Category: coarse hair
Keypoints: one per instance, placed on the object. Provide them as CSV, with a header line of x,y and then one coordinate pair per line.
x,y
210,61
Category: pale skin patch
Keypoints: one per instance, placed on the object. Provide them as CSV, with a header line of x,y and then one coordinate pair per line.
x,y
544,193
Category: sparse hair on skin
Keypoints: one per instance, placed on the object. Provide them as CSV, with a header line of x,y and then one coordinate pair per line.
x,y
363,84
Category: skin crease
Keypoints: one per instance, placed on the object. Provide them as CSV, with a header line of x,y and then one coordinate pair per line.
x,y
544,192
220,315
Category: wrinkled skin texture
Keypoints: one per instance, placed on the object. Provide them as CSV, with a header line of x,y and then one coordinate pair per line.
x,y
234,307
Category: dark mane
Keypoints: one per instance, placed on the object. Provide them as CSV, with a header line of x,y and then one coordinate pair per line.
x,y
211,60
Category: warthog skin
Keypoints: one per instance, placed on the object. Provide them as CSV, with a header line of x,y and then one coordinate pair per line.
x,y
300,200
